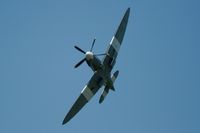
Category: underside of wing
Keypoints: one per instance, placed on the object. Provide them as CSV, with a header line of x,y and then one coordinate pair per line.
x,y
86,94
113,49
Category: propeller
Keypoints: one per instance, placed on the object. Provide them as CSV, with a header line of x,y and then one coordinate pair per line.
x,y
79,49
100,54
87,54
92,44
78,64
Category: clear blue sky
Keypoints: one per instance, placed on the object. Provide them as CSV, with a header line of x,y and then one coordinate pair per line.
x,y
158,87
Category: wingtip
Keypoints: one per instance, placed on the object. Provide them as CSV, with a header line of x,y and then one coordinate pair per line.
x,y
128,10
63,123
65,120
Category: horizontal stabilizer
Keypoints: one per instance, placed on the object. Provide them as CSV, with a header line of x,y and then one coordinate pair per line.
x,y
114,76
103,95
106,89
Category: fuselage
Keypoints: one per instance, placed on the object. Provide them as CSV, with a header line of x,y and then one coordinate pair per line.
x,y
94,62
97,66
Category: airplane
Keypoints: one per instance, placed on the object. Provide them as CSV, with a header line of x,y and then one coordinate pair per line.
x,y
101,68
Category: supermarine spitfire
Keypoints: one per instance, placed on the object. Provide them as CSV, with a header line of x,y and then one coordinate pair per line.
x,y
102,70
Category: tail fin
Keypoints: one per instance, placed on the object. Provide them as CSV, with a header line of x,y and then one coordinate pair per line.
x,y
114,76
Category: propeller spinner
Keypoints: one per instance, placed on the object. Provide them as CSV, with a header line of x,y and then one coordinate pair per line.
x,y
88,55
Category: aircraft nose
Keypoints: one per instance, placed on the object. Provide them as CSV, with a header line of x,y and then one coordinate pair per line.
x,y
89,55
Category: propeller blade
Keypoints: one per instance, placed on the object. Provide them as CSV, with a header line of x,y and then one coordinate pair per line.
x,y
79,49
93,44
100,54
78,64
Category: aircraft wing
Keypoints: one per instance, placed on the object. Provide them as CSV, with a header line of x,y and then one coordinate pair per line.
x,y
86,94
113,48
